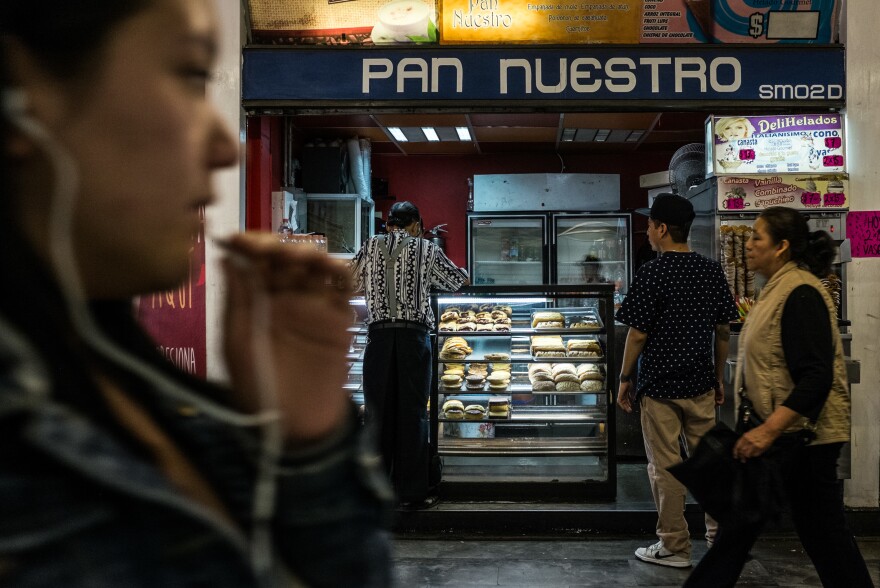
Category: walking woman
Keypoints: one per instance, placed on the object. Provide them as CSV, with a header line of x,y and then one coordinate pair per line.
x,y
790,366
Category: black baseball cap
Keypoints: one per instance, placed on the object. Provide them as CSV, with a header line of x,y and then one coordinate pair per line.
x,y
671,209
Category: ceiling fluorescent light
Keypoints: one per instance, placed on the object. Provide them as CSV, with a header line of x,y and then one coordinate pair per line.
x,y
463,133
635,136
568,134
430,133
397,133
602,135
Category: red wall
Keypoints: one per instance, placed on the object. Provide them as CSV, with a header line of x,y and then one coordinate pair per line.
x,y
438,184
264,168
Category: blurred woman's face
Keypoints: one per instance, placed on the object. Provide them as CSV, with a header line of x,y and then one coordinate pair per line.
x,y
146,140
763,255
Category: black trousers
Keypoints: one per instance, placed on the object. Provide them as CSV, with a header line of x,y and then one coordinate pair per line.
x,y
397,380
815,496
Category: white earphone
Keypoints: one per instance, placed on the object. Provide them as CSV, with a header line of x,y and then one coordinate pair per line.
x,y
14,102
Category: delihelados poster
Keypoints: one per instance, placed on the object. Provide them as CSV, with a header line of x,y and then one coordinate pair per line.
x,y
798,143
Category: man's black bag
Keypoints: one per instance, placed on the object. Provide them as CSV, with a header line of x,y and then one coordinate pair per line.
x,y
731,492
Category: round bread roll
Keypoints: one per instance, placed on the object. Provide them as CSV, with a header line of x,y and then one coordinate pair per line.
x,y
544,386
565,377
497,356
452,403
451,379
454,372
498,387
499,376
474,412
567,387
563,368
455,414
592,385
449,316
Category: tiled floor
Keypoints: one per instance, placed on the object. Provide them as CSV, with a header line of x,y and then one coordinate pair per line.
x,y
423,563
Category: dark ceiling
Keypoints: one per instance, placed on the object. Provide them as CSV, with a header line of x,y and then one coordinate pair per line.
x,y
508,132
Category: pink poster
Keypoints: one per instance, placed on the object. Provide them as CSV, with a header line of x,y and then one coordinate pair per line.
x,y
176,318
863,232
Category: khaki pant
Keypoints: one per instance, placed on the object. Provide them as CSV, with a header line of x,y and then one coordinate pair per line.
x,y
664,422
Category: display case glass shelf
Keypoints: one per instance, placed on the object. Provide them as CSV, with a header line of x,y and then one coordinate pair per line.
x,y
521,406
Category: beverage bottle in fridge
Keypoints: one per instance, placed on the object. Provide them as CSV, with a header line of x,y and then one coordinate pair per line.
x,y
285,231
514,250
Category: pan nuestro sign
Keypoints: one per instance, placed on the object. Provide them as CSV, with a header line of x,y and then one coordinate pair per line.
x,y
778,74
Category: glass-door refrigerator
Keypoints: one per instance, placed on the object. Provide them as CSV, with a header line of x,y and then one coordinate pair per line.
x,y
508,249
591,249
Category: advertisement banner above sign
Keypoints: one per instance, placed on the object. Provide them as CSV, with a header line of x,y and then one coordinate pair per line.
x,y
534,21
802,143
740,21
801,76
755,193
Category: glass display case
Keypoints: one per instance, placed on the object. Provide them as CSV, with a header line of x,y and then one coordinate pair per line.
x,y
354,385
522,404
592,249
507,249
345,219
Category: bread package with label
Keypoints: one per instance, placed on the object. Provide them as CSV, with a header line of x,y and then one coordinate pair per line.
x,y
547,319
455,348
547,346
583,348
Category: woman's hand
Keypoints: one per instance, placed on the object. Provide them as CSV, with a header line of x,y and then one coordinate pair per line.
x,y
758,440
755,442
287,320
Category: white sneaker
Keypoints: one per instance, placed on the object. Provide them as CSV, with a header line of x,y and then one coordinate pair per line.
x,y
657,554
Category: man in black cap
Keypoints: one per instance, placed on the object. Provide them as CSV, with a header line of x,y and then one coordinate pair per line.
x,y
396,273
675,306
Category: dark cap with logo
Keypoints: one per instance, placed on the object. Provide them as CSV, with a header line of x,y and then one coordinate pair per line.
x,y
671,209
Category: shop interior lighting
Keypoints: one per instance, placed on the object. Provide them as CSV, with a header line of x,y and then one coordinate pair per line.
x,y
463,133
568,134
397,133
430,133
602,135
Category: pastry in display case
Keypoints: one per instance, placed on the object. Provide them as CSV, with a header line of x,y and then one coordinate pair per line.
x,y
525,412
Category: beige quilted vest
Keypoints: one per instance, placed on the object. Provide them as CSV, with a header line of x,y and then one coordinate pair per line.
x,y
761,364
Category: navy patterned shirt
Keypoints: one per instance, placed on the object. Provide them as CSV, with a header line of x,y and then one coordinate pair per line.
x,y
421,266
677,300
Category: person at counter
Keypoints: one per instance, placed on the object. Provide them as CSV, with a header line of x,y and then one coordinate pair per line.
x,y
791,367
396,272
675,305
116,467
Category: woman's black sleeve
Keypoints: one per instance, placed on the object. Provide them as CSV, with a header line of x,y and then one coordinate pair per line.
x,y
809,350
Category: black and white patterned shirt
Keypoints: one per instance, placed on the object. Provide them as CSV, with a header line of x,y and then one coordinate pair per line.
x,y
421,266
677,299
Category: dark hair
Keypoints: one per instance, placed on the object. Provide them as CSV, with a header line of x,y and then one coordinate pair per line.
x,y
64,37
815,250
403,214
679,234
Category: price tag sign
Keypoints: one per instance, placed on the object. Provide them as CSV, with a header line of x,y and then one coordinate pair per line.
x,y
811,198
746,154
832,143
835,199
832,161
